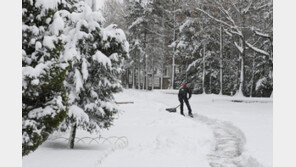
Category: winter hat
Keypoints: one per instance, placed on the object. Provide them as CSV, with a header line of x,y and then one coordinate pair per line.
x,y
184,84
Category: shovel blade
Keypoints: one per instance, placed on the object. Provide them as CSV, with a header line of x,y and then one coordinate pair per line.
x,y
171,109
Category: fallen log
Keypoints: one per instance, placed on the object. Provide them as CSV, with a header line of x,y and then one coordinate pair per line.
x,y
125,102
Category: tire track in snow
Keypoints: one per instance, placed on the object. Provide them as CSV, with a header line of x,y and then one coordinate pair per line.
x,y
228,149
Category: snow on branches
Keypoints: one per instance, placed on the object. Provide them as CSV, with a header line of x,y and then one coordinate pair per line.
x,y
71,68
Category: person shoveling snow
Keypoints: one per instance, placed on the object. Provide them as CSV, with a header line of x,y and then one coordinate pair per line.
x,y
182,96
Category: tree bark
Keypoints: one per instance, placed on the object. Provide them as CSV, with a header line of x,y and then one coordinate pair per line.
x,y
252,78
203,69
146,62
242,70
152,66
162,58
221,61
146,74
143,79
173,62
127,78
133,73
241,81
139,78
161,77
72,136
210,78
152,79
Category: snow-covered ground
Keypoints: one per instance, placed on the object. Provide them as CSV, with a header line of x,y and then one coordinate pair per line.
x,y
226,131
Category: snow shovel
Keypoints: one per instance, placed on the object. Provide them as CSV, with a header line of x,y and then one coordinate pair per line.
x,y
172,109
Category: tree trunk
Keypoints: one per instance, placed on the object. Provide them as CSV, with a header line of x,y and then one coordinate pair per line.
x,y
146,74
163,46
152,66
242,57
221,61
152,79
72,136
252,78
161,77
210,78
173,71
203,69
143,79
241,80
237,79
173,62
146,62
139,78
242,69
133,73
127,79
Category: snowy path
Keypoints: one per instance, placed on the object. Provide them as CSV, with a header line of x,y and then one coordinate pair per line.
x,y
228,147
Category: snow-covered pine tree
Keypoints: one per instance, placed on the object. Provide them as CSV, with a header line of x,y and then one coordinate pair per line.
x,y
194,45
43,92
95,55
136,27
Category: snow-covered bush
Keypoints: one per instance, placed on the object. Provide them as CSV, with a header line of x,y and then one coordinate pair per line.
x,y
43,91
94,55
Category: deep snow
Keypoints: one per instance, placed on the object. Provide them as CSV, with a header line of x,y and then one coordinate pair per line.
x,y
228,131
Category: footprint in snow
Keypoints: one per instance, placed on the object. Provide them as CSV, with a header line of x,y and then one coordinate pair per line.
x,y
228,149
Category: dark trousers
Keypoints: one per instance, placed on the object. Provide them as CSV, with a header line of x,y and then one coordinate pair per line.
x,y
182,100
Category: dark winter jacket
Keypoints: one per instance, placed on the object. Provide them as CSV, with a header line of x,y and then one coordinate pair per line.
x,y
184,90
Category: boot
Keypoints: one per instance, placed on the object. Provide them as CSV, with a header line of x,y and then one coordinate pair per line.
x,y
190,114
182,113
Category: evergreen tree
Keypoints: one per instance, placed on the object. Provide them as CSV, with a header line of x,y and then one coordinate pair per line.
x,y
43,92
95,56
71,67
136,22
